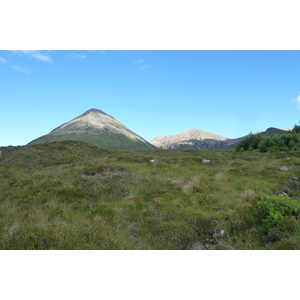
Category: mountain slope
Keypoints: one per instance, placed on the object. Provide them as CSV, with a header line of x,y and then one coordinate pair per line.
x,y
98,128
200,139
269,132
272,130
191,139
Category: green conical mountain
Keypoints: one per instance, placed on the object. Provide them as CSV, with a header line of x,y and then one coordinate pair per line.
x,y
98,128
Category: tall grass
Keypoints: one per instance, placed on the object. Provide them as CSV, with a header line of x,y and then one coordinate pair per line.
x,y
71,195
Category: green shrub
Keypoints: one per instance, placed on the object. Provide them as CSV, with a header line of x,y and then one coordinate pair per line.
x,y
249,144
271,143
276,212
296,129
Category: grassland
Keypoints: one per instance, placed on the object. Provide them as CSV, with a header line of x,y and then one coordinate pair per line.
x,y
72,195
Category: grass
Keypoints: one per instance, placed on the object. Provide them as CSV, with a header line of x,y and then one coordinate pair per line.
x,y
72,195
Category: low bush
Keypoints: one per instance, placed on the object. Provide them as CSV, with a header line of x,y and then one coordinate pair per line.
x,y
278,214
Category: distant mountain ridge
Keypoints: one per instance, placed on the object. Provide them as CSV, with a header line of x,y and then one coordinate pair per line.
x,y
98,128
200,139
192,138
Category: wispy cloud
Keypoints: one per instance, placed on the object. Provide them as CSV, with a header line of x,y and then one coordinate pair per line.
x,y
21,69
35,54
142,64
80,56
297,101
2,60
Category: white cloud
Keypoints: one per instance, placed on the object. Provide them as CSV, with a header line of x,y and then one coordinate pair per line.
x,y
2,60
41,57
76,55
297,101
21,69
143,65
35,54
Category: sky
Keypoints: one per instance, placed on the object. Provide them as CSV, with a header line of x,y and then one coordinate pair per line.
x,y
153,93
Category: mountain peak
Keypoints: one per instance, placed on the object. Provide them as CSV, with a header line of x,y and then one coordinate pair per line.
x,y
97,127
92,110
95,110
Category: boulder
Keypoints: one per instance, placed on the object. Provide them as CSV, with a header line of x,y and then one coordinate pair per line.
x,y
153,160
206,161
247,193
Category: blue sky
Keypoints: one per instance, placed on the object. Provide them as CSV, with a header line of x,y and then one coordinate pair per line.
x,y
229,93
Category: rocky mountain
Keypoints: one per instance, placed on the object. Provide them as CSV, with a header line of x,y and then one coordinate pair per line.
x,y
98,128
200,139
190,139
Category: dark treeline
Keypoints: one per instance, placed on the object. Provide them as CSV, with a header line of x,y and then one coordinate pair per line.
x,y
274,143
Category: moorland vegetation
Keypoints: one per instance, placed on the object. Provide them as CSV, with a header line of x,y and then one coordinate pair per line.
x,y
73,195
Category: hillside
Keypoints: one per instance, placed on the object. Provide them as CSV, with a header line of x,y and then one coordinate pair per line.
x,y
194,139
74,195
190,139
269,132
272,131
200,139
272,140
97,128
